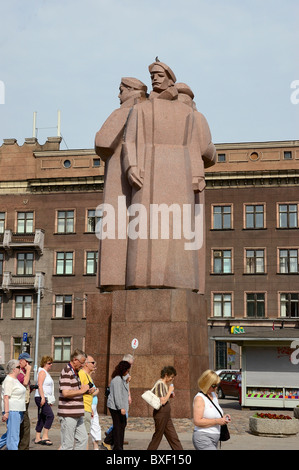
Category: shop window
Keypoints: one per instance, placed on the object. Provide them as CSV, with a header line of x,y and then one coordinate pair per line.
x,y
62,349
289,305
255,305
288,261
222,217
288,215
255,261
254,216
221,355
222,305
65,221
222,262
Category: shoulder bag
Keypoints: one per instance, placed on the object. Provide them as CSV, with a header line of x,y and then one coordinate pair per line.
x,y
152,399
224,432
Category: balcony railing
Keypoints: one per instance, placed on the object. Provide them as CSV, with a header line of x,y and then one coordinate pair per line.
x,y
12,283
11,240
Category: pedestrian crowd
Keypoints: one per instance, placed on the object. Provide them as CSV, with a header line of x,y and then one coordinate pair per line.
x,y
77,406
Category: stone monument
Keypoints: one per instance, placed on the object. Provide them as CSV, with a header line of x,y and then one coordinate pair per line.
x,y
151,267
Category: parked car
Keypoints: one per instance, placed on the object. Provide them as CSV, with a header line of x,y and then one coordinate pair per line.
x,y
229,384
221,371
2,374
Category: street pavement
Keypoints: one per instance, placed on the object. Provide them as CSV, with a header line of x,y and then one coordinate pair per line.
x,y
139,432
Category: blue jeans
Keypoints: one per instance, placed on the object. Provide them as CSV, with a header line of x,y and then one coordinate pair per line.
x,y
12,436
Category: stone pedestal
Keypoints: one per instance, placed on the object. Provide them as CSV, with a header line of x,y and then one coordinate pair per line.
x,y
171,327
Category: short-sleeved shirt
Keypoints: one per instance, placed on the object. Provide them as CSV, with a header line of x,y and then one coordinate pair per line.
x,y
15,392
70,407
160,389
87,398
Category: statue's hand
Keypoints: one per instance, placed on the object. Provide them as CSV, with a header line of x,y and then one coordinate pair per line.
x,y
133,177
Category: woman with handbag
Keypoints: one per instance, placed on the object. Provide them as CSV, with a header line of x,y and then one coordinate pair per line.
x,y
207,415
164,389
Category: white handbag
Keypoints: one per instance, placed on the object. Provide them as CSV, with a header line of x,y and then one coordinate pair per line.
x,y
152,399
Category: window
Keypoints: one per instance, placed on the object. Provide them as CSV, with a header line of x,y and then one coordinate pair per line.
x,y
25,222
17,347
221,157
63,306
222,261
222,305
25,264
288,215
64,263
96,162
289,305
23,306
62,349
222,217
288,261
287,155
91,262
255,305
254,216
93,217
2,222
65,221
1,263
255,261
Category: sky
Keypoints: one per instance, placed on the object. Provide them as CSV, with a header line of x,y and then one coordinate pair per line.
x,y
239,57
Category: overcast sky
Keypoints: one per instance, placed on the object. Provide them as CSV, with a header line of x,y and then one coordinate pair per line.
x,y
238,56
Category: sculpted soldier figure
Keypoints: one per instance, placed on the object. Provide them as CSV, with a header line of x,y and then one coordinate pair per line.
x,y
108,142
165,147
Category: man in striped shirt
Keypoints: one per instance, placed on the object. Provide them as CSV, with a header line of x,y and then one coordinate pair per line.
x,y
71,406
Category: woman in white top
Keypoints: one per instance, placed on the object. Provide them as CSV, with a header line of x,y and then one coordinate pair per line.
x,y
44,398
206,417
13,406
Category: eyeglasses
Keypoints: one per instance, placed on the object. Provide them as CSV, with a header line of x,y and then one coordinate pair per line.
x,y
214,385
49,363
18,367
91,362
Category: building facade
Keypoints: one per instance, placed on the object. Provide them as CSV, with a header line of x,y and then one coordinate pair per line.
x,y
252,213
48,247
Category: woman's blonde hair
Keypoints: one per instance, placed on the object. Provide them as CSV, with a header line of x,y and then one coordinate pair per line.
x,y
207,379
45,359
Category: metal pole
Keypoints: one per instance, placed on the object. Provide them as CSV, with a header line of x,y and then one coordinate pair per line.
x,y
37,326
58,124
34,125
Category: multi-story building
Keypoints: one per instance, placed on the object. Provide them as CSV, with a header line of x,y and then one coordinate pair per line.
x,y
48,246
252,213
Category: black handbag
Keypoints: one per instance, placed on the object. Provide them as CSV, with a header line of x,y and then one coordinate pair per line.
x,y
224,432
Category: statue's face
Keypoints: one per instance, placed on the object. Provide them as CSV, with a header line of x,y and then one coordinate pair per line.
x,y
124,93
160,80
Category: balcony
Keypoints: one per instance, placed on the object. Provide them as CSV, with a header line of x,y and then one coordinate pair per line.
x,y
11,240
12,283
